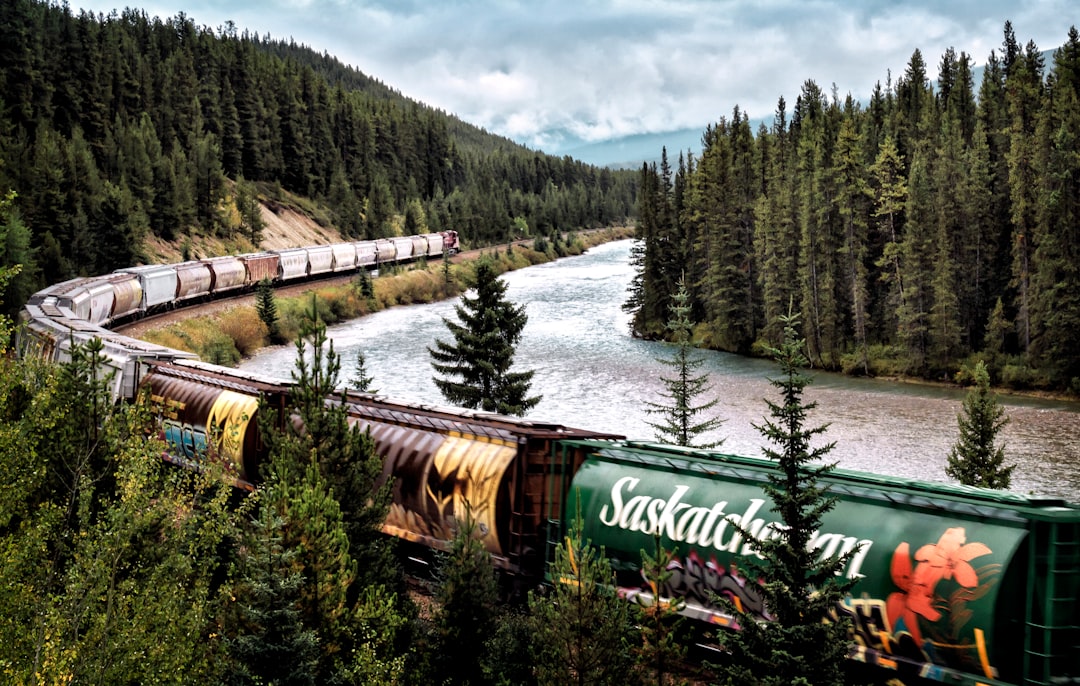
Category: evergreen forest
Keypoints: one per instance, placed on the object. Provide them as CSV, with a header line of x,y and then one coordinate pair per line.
x,y
933,226
119,129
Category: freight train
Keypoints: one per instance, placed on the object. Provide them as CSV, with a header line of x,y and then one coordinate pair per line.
x,y
953,585
133,292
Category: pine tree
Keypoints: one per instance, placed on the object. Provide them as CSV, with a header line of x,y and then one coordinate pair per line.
x,y
247,204
361,381
447,282
659,616
266,307
476,366
680,425
974,460
582,630
802,645
324,481
346,455
890,197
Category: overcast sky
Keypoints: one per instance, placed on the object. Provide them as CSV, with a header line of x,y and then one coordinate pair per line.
x,y
555,73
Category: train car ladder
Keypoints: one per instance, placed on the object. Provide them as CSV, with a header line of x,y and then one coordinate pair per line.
x,y
1052,635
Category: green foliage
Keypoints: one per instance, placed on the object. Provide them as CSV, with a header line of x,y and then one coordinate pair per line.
x,y
661,647
271,642
247,206
507,659
897,225
345,454
802,644
476,366
364,285
681,425
18,264
266,308
324,483
360,380
108,557
99,169
975,460
468,598
583,632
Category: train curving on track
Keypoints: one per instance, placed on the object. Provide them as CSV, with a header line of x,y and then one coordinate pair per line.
x,y
954,585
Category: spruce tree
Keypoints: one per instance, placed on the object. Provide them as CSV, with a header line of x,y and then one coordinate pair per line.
x,y
476,366
266,308
680,423
361,381
324,481
447,283
974,460
346,455
802,644
271,642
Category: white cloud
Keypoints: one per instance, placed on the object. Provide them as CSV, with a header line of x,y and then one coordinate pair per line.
x,y
549,71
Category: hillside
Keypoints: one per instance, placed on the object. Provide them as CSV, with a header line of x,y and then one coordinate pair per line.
x,y
128,138
285,227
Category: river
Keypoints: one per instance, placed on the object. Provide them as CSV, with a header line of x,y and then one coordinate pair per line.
x,y
592,374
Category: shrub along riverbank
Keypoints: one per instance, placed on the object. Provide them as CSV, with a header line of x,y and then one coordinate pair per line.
x,y
227,336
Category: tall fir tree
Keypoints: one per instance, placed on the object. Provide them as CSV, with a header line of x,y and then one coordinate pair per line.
x,y
476,365
682,422
975,460
804,643
270,641
345,454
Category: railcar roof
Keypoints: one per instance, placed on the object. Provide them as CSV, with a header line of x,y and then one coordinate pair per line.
x,y
847,483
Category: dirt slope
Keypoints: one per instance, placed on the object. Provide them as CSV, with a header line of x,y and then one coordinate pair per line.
x,y
284,228
287,228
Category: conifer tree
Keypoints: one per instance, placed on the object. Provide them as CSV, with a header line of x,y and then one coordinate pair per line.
x,y
271,642
266,307
346,455
468,605
247,204
681,422
975,460
583,631
324,482
659,616
802,644
476,366
361,381
447,283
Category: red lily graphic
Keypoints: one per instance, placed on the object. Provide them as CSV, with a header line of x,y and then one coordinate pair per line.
x,y
949,558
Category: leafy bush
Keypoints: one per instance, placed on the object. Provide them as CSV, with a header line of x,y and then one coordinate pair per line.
x,y
244,327
1019,376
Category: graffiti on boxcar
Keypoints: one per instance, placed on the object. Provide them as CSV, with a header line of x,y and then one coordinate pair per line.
x,y
708,583
187,440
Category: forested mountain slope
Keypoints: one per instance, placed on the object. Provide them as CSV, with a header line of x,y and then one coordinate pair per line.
x,y
120,130
928,228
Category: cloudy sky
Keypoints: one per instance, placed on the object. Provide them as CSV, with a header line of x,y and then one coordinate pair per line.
x,y
556,74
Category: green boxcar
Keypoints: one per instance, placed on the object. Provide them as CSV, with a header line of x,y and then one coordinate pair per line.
x,y
954,584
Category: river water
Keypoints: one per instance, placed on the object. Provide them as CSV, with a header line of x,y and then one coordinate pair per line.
x,y
593,375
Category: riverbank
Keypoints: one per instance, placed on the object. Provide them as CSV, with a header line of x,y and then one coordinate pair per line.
x,y
225,332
